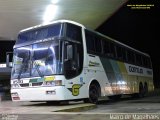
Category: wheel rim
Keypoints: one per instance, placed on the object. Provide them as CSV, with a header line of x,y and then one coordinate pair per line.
x,y
93,94
141,91
145,89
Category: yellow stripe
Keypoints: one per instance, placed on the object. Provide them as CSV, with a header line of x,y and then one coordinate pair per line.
x,y
122,67
50,78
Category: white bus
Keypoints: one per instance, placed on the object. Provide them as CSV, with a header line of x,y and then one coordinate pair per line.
x,y
64,60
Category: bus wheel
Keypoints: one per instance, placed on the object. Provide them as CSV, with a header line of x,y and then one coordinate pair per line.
x,y
93,94
145,89
141,91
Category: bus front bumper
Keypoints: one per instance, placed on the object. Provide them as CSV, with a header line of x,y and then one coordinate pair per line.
x,y
38,94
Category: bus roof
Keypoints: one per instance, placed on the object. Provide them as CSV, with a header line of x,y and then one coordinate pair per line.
x,y
78,24
50,23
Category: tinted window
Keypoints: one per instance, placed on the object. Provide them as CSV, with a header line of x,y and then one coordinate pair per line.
x,y
148,62
74,32
90,40
130,57
40,33
119,52
98,45
106,48
138,59
112,50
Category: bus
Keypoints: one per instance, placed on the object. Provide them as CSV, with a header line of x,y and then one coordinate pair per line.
x,y
63,60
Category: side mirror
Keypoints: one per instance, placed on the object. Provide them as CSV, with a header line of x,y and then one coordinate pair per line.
x,y
8,59
69,52
69,69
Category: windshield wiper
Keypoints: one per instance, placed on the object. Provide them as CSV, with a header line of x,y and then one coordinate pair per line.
x,y
37,68
24,64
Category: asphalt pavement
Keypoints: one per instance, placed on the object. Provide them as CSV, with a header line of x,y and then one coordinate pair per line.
x,y
126,108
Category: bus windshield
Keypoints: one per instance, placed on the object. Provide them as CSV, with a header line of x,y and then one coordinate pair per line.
x,y
21,62
55,30
50,50
37,60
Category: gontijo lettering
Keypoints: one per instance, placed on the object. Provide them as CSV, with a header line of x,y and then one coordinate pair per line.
x,y
135,69
91,63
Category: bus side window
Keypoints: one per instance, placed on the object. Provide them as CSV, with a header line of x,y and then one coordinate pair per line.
x,y
98,45
74,32
112,50
119,53
90,42
130,57
106,48
148,62
138,59
124,54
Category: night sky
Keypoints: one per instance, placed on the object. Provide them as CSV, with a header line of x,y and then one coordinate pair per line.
x,y
137,28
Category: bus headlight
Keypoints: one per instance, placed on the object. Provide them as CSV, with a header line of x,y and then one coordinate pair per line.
x,y
14,85
15,96
53,83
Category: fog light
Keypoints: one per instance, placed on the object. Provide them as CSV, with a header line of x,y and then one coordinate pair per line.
x,y
15,96
14,85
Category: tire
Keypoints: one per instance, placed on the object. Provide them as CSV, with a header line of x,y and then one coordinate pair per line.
x,y
93,94
145,89
140,94
141,91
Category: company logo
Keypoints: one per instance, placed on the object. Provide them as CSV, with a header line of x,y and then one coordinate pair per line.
x,y
75,89
95,64
135,69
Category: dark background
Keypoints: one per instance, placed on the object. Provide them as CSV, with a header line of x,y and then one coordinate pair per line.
x,y
137,28
5,46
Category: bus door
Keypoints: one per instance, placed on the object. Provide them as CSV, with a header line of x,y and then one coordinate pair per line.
x,y
73,64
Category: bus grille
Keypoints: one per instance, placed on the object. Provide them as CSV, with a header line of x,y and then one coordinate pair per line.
x,y
31,84
37,84
24,85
